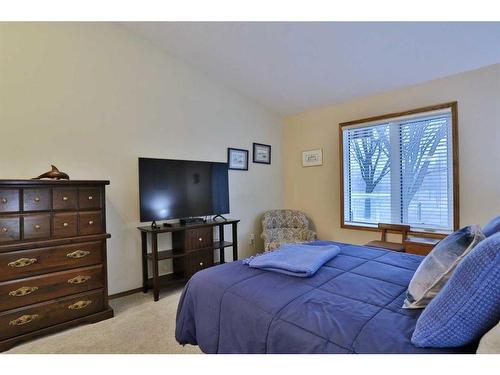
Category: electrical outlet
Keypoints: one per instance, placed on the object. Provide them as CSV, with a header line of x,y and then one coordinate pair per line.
x,y
252,239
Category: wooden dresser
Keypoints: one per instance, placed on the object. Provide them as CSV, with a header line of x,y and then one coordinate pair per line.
x,y
52,257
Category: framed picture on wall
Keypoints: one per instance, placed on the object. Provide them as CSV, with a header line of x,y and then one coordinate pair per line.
x,y
261,153
237,159
312,158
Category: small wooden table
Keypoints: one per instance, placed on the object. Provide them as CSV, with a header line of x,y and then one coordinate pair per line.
x,y
420,245
192,250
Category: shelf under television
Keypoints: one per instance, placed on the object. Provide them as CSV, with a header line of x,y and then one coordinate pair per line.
x,y
174,253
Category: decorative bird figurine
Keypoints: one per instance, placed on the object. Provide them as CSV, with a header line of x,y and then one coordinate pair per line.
x,y
54,174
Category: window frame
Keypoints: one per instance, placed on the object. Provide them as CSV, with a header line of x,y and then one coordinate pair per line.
x,y
453,106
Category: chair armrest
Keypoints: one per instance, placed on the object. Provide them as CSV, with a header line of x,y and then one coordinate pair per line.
x,y
310,235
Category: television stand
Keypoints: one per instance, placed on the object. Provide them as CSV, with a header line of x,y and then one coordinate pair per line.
x,y
216,216
192,250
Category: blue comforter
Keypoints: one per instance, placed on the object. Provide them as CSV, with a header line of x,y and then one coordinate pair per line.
x,y
351,305
298,260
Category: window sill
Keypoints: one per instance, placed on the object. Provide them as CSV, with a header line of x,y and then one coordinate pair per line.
x,y
415,232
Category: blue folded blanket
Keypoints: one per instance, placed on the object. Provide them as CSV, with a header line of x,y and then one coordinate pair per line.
x,y
294,259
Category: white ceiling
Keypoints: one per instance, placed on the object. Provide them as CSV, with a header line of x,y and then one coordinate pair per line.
x,y
291,67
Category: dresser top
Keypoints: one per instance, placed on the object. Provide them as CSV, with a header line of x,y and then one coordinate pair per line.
x,y
53,182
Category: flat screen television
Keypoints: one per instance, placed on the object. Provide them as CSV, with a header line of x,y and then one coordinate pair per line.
x,y
176,189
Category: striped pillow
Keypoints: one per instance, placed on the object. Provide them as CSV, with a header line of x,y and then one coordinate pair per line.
x,y
438,266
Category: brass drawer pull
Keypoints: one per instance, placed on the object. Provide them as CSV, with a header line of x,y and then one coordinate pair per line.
x,y
5,230
4,200
91,222
200,239
90,197
37,226
78,254
23,291
25,319
64,198
79,305
37,199
65,224
23,262
201,264
80,279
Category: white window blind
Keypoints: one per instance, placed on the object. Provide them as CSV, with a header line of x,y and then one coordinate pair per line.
x,y
400,171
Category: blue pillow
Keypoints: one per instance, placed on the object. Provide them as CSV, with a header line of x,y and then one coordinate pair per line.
x,y
492,227
468,305
438,266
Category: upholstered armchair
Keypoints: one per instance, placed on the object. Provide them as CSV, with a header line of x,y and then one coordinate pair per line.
x,y
285,226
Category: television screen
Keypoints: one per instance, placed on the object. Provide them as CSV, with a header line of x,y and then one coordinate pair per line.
x,y
175,189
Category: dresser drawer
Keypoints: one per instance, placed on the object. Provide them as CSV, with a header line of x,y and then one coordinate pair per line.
x,y
64,225
90,223
37,289
199,260
31,318
9,229
64,199
9,200
89,198
36,200
36,227
199,238
14,265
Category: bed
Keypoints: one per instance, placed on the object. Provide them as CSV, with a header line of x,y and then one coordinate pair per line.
x,y
351,305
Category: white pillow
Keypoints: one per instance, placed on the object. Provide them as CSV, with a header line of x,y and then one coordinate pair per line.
x,y
490,343
439,264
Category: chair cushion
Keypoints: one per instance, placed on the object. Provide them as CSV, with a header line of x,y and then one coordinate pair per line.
x,y
492,227
285,226
438,266
469,304
279,236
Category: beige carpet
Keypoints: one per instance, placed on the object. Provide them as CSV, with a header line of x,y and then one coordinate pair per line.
x,y
139,326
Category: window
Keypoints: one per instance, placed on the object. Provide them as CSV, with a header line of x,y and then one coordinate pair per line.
x,y
401,169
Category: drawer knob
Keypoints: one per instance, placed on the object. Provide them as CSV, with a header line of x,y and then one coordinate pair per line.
x,y
80,279
79,305
90,197
22,262
23,291
65,224
91,222
24,319
78,254
201,264
4,200
37,199
37,226
200,239
5,230
64,198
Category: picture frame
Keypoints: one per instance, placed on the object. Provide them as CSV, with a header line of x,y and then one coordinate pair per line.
x,y
312,158
261,153
237,159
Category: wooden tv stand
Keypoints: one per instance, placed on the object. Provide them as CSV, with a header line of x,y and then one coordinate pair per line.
x,y
192,250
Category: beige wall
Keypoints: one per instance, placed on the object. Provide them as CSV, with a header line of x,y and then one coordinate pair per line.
x,y
91,98
315,190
